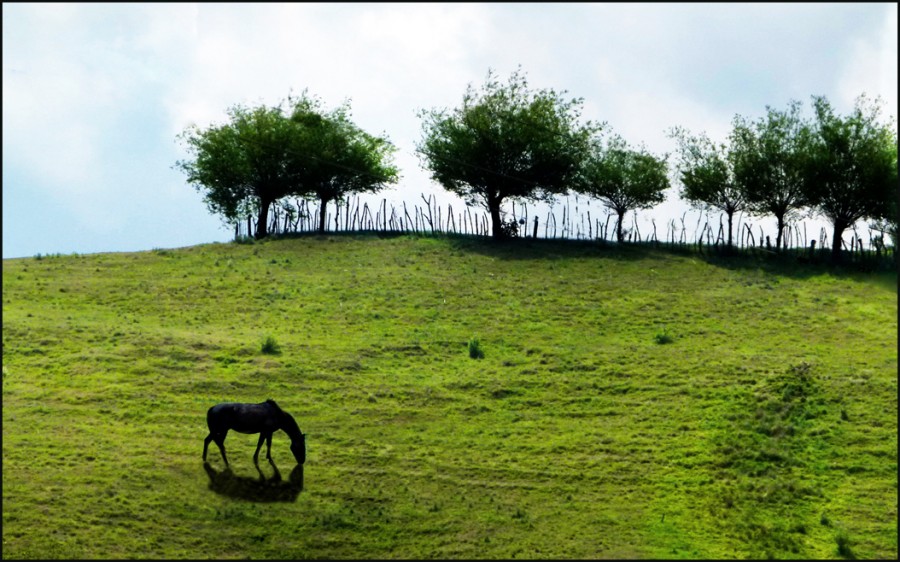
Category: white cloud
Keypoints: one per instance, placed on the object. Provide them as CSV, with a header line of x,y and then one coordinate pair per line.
x,y
871,66
416,57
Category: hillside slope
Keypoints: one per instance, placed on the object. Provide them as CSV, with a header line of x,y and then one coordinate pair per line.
x,y
630,403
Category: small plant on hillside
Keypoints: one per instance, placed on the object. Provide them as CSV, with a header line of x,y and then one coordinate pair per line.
x,y
475,351
663,337
843,545
797,384
270,346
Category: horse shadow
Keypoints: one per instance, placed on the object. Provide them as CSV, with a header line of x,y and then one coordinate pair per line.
x,y
261,489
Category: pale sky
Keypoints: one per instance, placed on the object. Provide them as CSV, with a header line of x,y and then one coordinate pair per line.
x,y
95,94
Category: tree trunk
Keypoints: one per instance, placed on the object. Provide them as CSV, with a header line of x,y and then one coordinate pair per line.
x,y
619,235
322,215
263,219
730,217
839,227
496,223
780,219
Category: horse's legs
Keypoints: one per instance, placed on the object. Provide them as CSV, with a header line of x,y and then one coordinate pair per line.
x,y
221,444
220,441
267,437
206,445
262,437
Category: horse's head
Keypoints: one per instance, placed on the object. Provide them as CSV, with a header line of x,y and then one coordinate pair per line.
x,y
298,447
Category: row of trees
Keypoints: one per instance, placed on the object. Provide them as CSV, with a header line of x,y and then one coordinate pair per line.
x,y
782,165
508,142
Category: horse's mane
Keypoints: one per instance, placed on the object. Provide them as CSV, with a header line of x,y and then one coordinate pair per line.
x,y
290,425
287,421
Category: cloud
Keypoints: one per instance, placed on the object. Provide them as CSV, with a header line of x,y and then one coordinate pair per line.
x,y
871,66
81,85
388,60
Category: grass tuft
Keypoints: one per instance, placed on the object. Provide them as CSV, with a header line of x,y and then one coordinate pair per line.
x,y
270,346
475,351
844,546
663,337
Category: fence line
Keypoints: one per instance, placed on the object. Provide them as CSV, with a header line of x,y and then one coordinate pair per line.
x,y
353,215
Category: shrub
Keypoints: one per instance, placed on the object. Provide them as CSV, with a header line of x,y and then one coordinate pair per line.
x,y
510,228
843,544
270,346
663,337
475,351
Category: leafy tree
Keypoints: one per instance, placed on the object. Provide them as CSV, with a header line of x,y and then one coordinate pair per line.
x,y
887,221
770,162
241,165
332,156
852,170
262,156
707,175
624,179
505,141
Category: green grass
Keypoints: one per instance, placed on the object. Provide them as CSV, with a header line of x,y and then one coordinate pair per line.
x,y
765,427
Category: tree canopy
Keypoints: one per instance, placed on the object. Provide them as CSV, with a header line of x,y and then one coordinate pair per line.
x,y
624,179
333,157
852,169
241,166
770,157
506,141
263,155
707,175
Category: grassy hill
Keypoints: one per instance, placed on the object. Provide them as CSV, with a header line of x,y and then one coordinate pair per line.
x,y
630,403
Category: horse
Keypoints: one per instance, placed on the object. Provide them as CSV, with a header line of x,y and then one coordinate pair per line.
x,y
264,418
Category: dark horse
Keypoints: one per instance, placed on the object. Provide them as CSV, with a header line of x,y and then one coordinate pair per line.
x,y
264,418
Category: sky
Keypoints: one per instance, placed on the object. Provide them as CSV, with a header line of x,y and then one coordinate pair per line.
x,y
94,95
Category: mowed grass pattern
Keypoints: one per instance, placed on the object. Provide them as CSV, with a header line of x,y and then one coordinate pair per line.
x,y
766,426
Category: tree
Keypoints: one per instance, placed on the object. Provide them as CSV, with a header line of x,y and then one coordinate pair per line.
x,y
241,165
707,176
332,157
770,161
262,156
624,179
505,142
852,169
887,222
